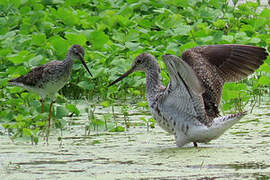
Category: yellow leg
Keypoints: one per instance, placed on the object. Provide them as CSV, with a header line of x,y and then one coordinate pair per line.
x,y
49,122
50,115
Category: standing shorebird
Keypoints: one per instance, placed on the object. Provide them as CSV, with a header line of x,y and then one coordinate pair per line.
x,y
47,79
188,106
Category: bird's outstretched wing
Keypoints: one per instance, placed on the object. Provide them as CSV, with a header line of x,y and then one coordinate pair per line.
x,y
201,74
35,76
216,64
233,62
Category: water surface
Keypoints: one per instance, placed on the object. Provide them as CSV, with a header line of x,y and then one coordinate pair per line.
x,y
241,153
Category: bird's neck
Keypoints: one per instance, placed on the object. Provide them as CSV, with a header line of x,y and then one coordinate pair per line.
x,y
68,63
69,60
153,83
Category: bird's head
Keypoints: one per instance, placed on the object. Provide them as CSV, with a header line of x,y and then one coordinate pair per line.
x,y
142,62
77,52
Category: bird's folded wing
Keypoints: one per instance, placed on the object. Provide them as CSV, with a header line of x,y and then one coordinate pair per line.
x,y
35,76
31,78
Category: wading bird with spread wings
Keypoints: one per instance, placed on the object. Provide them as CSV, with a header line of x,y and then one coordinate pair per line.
x,y
188,106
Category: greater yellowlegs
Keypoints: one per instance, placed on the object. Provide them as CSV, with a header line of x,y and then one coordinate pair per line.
x,y
47,79
188,106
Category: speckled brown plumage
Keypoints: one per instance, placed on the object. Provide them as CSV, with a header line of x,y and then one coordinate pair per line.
x,y
217,64
188,106
35,77
47,79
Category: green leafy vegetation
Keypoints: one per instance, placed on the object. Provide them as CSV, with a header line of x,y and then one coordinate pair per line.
x,y
113,33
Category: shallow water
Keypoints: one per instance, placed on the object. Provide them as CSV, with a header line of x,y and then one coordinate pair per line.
x,y
241,153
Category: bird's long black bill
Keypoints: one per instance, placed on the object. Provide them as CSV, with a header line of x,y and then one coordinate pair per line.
x,y
122,77
84,64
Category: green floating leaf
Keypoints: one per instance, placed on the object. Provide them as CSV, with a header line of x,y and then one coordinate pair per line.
x,y
182,29
85,85
242,37
15,89
96,142
263,81
143,119
132,35
75,2
86,34
97,122
17,70
105,103
227,38
60,123
132,46
181,3
21,57
187,46
136,92
235,86
11,3
247,28
207,39
61,112
35,60
60,45
117,129
234,90
172,48
255,40
67,16
98,39
230,94
118,36
4,52
265,68
35,139
76,38
265,13
72,108
142,104
220,23
39,39
27,132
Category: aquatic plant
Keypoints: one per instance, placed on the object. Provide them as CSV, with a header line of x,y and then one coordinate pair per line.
x,y
112,33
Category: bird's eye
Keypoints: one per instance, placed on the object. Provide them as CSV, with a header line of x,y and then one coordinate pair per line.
x,y
76,51
139,61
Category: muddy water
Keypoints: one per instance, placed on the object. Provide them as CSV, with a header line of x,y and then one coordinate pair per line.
x,y
243,152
